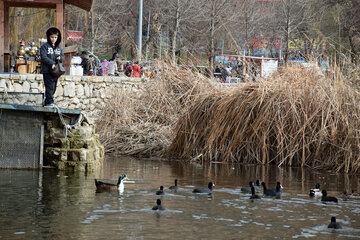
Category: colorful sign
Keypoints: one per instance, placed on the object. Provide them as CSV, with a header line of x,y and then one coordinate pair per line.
x,y
74,36
266,43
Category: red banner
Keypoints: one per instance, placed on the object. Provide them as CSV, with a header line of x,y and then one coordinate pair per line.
x,y
266,43
74,36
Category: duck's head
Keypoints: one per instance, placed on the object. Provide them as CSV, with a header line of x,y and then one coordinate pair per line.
x,y
278,185
176,182
122,177
324,193
158,202
258,182
317,186
251,183
161,188
263,184
210,185
333,219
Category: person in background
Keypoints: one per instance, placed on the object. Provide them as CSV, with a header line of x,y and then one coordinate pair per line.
x,y
113,69
217,72
116,59
228,72
51,53
105,66
85,63
136,70
128,69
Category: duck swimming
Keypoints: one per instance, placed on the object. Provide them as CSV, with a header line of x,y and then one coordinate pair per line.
x,y
326,198
204,190
161,191
158,206
253,195
334,224
175,187
272,192
315,192
247,189
102,186
257,186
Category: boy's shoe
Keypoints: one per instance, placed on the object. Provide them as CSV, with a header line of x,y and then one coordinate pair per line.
x,y
50,105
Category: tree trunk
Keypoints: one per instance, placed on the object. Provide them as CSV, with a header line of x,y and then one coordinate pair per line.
x,y
212,38
175,32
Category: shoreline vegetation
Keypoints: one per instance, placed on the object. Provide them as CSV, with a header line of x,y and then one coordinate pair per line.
x,y
298,117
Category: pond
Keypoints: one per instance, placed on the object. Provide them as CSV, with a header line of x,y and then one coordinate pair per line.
x,y
65,205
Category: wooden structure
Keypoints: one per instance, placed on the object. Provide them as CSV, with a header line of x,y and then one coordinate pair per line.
x,y
59,5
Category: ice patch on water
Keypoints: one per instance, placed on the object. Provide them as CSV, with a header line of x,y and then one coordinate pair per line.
x,y
356,210
199,217
227,190
275,209
224,219
92,218
109,211
18,233
259,224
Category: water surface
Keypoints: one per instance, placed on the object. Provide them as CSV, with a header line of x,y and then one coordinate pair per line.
x,y
65,205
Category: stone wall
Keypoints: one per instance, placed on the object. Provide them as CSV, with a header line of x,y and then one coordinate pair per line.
x,y
80,149
73,92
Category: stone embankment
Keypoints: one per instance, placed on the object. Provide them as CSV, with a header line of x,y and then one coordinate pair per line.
x,y
86,93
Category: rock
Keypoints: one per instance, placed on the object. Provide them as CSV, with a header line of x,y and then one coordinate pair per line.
x,y
31,77
102,93
80,90
2,83
10,87
26,86
75,100
17,87
59,91
87,90
69,90
34,85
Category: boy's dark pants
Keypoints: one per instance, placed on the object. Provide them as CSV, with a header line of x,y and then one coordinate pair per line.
x,y
50,87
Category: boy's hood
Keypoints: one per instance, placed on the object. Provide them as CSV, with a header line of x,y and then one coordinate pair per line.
x,y
48,36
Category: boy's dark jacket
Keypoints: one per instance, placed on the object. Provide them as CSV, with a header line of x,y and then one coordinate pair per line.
x,y
49,53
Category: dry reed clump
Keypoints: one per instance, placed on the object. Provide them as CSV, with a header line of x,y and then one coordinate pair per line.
x,y
297,118
140,123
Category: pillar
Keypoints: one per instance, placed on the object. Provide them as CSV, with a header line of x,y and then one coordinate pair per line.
x,y
2,34
60,20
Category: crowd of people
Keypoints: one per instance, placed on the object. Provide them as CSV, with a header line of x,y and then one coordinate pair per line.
x,y
113,67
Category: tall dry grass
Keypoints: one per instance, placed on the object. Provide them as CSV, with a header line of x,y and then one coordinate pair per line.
x,y
141,123
297,118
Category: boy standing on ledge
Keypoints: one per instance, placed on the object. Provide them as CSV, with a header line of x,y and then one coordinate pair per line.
x,y
51,53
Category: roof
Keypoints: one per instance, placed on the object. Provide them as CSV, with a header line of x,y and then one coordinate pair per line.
x,y
83,4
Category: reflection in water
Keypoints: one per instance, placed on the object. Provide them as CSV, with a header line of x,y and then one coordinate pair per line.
x,y
65,205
